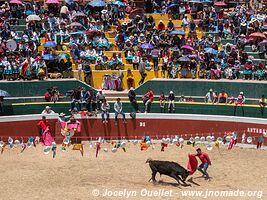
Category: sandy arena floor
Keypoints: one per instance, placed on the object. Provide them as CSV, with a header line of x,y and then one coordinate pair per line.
x,y
33,175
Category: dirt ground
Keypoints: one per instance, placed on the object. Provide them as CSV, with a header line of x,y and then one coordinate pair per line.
x,y
33,175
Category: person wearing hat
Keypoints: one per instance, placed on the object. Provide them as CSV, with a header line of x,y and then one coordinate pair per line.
x,y
185,23
248,70
118,111
182,98
64,11
161,26
80,69
100,97
47,111
243,28
170,25
105,18
240,101
171,105
210,97
140,26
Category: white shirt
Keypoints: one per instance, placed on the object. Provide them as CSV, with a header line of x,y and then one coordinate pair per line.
x,y
185,21
49,112
80,67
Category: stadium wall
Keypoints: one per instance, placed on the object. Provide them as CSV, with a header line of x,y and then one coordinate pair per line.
x,y
154,125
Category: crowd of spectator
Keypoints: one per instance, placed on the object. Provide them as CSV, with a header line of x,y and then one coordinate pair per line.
x,y
148,45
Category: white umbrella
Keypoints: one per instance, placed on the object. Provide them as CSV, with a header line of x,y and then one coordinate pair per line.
x,y
4,93
33,18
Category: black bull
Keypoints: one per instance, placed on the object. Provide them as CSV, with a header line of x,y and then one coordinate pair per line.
x,y
171,169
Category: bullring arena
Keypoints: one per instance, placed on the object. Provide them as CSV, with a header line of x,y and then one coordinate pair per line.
x,y
124,175
133,99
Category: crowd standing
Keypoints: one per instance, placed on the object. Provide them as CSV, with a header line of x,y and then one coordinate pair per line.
x,y
175,51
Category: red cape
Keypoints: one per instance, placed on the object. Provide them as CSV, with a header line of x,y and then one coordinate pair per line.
x,y
192,164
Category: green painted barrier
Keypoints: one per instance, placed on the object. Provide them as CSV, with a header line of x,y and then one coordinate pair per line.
x,y
38,88
181,108
201,87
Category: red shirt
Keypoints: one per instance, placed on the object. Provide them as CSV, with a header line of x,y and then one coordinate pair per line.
x,y
150,95
204,158
162,98
43,124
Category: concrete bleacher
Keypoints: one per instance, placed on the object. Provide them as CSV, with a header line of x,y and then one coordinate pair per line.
x,y
99,74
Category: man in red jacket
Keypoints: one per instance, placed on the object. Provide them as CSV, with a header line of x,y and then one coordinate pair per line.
x,y
148,99
42,125
205,162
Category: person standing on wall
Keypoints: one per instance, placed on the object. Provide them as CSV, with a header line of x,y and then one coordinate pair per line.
x,y
1,104
132,99
148,99
171,105
142,71
262,103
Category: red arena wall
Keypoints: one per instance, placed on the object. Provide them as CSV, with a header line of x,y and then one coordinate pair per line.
x,y
154,125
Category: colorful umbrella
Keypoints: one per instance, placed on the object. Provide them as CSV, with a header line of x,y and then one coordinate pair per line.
x,y
147,46
184,59
210,51
195,1
48,57
52,2
119,3
79,14
263,43
77,33
4,93
50,44
206,1
33,18
258,35
220,3
172,6
75,24
178,32
175,49
63,56
97,3
187,47
15,2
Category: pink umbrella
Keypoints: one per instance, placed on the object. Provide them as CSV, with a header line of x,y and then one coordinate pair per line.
x,y
220,3
52,2
15,2
187,47
263,43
